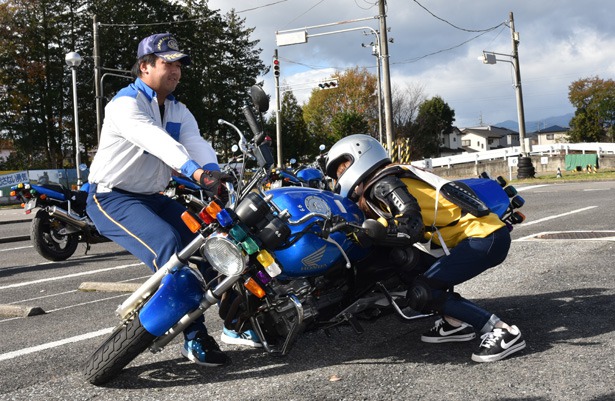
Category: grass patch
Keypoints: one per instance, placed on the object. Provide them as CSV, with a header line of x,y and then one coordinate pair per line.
x,y
568,176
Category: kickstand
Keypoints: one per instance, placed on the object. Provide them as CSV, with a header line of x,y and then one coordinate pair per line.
x,y
87,248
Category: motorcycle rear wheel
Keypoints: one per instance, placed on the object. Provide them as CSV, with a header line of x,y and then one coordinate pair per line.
x,y
48,242
124,344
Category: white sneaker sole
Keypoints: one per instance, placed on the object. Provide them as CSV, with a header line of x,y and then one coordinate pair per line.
x,y
501,355
239,341
449,339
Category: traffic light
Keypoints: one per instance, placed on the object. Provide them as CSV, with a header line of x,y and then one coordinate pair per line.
x,y
329,84
276,67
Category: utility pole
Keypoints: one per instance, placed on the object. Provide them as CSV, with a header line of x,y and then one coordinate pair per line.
x,y
518,90
386,74
278,114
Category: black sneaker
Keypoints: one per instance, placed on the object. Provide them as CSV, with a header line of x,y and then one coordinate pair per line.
x,y
204,351
444,332
498,344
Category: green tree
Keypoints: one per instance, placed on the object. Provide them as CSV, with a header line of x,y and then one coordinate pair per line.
x,y
434,117
35,85
34,112
594,100
296,142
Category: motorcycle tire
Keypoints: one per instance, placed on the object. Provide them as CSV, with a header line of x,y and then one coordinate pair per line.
x,y
48,242
124,344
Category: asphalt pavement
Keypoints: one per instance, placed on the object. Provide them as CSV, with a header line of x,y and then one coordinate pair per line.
x,y
557,285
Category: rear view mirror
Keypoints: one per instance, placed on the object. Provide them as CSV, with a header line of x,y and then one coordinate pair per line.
x,y
259,98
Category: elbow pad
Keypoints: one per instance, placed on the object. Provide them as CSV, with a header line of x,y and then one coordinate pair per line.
x,y
407,213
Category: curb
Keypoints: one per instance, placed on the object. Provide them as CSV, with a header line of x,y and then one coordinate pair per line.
x,y
14,239
20,311
15,221
108,286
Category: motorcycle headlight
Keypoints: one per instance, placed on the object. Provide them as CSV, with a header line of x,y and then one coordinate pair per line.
x,y
225,256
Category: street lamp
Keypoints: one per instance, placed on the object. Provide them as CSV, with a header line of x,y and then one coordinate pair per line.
x,y
73,60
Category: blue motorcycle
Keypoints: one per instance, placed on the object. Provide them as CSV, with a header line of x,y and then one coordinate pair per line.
x,y
61,221
287,260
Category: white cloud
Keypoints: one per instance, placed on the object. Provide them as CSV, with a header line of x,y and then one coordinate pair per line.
x,y
560,41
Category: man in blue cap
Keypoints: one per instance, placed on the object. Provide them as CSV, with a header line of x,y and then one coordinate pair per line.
x,y
146,136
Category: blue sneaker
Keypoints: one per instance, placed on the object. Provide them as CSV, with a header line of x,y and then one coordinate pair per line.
x,y
204,351
248,338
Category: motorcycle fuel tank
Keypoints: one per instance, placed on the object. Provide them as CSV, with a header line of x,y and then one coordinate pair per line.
x,y
312,255
180,292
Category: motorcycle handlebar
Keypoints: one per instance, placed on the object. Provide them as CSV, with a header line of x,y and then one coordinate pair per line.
x,y
247,111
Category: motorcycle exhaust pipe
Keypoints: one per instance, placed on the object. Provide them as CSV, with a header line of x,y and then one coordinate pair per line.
x,y
66,217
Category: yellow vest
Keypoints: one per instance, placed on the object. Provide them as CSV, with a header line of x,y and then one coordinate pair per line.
x,y
454,226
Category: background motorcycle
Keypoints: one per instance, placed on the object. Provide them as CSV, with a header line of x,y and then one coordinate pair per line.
x,y
310,175
288,260
61,221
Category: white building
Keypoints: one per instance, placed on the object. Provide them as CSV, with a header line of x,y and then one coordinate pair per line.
x,y
478,139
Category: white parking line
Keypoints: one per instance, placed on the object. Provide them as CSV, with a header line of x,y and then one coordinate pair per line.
x,y
54,344
556,216
44,280
16,249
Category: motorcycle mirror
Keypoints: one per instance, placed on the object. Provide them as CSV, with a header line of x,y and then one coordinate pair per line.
x,y
373,229
292,161
83,167
259,98
234,148
321,147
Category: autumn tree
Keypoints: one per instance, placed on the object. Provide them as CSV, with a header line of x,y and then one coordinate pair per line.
x,y
351,108
594,100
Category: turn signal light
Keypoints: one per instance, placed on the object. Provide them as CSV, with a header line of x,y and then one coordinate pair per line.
x,y
13,193
191,222
252,286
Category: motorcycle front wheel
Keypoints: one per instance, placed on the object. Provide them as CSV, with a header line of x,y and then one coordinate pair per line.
x,y
124,344
48,242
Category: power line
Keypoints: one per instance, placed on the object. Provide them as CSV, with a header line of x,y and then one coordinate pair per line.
x,y
453,25
413,60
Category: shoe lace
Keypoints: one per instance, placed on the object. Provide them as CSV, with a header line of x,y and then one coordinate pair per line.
x,y
439,323
489,339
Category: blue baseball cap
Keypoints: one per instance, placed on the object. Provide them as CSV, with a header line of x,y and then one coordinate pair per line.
x,y
164,46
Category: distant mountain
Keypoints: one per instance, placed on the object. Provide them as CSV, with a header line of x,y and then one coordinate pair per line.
x,y
533,126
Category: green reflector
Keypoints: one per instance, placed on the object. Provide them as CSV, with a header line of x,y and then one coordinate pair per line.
x,y
238,233
249,246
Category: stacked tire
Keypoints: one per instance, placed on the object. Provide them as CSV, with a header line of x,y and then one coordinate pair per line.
x,y
525,169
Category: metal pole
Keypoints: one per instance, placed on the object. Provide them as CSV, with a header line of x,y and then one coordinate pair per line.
x,y
518,91
278,115
384,49
377,54
76,117
97,81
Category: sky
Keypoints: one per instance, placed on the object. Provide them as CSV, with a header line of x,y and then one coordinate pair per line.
x,y
436,45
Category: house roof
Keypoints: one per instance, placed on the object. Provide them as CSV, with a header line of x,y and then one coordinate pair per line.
x,y
552,129
489,131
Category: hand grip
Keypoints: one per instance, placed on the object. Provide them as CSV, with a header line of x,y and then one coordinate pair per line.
x,y
247,111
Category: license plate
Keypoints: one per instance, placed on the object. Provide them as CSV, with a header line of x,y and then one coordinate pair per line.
x,y
30,205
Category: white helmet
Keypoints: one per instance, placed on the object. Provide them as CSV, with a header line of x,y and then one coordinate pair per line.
x,y
366,155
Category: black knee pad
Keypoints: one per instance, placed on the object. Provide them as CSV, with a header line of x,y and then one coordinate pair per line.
x,y
421,298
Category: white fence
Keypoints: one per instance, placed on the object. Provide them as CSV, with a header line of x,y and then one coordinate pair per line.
x,y
593,147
